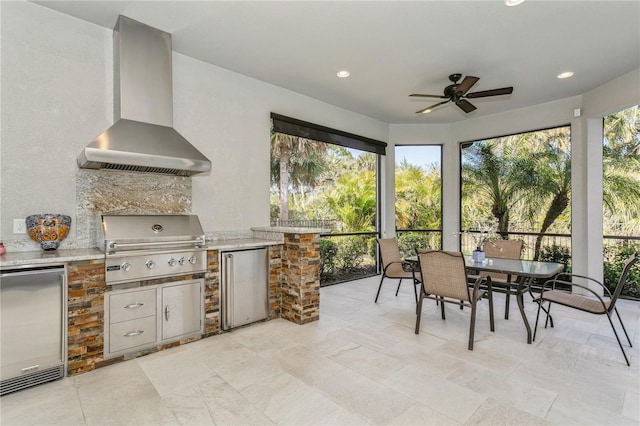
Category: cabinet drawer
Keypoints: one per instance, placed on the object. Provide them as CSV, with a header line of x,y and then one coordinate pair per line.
x,y
131,305
129,334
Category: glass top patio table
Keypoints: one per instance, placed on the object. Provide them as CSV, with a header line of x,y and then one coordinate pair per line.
x,y
525,270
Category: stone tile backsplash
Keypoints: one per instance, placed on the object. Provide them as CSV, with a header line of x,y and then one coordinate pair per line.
x,y
115,192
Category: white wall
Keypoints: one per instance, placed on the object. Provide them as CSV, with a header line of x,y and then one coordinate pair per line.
x,y
57,96
227,116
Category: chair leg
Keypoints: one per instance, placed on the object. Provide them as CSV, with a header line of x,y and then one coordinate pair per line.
x,y
491,321
535,329
379,287
472,326
415,289
442,307
618,338
506,303
398,289
548,311
623,329
419,313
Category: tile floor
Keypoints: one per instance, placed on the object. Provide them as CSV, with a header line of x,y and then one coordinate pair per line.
x,y
362,364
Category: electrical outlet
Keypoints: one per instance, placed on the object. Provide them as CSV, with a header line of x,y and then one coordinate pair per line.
x,y
19,226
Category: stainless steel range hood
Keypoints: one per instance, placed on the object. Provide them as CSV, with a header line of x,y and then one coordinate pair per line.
x,y
143,139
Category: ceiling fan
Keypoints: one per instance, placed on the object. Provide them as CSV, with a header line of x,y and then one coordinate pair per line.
x,y
457,93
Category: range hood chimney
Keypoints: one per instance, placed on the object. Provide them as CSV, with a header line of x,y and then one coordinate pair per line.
x,y
143,138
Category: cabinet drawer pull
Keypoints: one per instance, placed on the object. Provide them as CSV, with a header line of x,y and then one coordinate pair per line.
x,y
133,305
133,333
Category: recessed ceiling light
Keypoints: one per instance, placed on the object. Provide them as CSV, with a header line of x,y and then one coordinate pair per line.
x,y
343,74
565,74
513,2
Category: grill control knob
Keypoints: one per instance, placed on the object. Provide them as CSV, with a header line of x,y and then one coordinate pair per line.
x,y
150,264
193,260
182,261
172,262
126,266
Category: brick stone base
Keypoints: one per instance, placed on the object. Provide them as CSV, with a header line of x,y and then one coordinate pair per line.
x,y
301,278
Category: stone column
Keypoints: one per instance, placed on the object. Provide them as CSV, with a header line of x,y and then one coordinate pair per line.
x,y
301,278
85,315
300,271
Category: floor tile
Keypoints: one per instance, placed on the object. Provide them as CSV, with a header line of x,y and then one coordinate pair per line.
x,y
371,400
362,363
446,397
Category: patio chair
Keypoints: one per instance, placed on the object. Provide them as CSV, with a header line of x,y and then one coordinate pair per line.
x,y
394,267
444,279
503,249
593,304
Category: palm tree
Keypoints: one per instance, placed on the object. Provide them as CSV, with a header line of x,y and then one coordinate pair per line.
x,y
297,163
503,179
353,201
551,196
418,195
621,166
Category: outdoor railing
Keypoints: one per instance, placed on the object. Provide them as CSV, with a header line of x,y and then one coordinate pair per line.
x,y
552,243
306,223
350,256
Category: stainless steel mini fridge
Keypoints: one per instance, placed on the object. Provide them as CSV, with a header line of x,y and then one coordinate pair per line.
x,y
245,287
33,326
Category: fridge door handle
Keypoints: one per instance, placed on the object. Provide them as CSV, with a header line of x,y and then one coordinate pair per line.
x,y
228,285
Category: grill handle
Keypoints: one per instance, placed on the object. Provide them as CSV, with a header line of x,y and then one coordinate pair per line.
x,y
115,246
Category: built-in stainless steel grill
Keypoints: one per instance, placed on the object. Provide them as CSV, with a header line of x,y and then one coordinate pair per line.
x,y
142,247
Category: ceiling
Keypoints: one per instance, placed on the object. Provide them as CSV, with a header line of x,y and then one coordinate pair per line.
x,y
394,48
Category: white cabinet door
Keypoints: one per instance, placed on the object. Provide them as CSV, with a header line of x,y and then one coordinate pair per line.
x,y
181,309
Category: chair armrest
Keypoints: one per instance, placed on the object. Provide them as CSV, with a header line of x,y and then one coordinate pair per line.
x,y
406,266
476,286
606,290
570,275
554,281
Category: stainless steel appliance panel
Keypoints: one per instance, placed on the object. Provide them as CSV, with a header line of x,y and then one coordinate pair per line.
x,y
132,305
182,309
32,325
132,334
147,265
245,287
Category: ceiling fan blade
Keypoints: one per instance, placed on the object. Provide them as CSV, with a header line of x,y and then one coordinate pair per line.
x,y
429,108
466,84
420,95
494,92
465,105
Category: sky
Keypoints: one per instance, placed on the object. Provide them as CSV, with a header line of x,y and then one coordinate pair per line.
x,y
419,155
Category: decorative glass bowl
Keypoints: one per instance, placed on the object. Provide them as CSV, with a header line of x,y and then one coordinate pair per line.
x,y
48,229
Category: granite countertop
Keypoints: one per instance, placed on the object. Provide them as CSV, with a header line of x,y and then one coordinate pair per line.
x,y
40,257
240,243
22,258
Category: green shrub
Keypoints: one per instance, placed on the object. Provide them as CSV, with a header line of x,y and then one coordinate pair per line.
x,y
372,248
408,242
328,252
558,254
350,251
614,257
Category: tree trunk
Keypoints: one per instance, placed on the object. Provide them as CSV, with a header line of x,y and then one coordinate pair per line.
x,y
558,204
284,184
